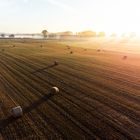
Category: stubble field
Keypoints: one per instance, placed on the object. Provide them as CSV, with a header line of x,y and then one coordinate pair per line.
x,y
99,91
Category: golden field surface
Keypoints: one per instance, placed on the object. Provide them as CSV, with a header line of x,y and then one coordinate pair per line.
x,y
99,94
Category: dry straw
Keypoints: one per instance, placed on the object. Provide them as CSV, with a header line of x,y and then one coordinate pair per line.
x,y
54,90
17,111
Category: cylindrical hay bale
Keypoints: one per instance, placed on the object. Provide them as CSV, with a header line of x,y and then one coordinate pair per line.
x,y
17,111
54,90
124,57
71,52
55,62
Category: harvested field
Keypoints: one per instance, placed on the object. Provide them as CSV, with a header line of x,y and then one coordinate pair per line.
x,y
99,94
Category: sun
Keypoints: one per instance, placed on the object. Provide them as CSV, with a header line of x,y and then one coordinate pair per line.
x,y
121,17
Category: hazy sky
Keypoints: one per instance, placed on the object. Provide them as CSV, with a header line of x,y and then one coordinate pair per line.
x,y
76,15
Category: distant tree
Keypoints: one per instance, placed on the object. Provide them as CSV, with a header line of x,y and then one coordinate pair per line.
x,y
132,35
101,34
113,35
45,32
52,35
11,36
66,33
87,34
2,35
124,35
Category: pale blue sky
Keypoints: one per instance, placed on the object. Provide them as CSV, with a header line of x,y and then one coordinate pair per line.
x,y
29,16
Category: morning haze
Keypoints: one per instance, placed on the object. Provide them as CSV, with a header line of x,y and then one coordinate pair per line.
x,y
69,70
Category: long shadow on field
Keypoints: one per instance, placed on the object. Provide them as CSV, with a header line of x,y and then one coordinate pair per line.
x,y
8,121
45,68
35,104
5,122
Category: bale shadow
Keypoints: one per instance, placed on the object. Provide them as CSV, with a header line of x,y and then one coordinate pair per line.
x,y
46,68
9,120
37,103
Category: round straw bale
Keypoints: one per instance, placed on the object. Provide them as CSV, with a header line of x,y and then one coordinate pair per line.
x,y
54,90
17,111
55,62
124,57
